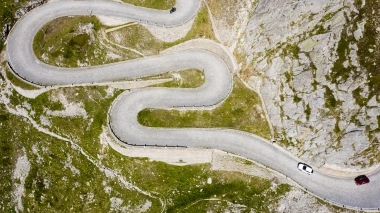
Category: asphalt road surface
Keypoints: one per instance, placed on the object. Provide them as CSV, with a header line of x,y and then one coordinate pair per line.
x,y
123,113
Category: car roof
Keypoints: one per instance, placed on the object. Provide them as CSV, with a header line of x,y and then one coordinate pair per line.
x,y
361,176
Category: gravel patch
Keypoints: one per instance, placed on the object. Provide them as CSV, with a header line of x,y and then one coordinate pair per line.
x,y
116,205
146,206
229,162
68,164
298,201
112,21
20,173
45,121
71,109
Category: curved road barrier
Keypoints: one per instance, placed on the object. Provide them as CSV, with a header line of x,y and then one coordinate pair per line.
x,y
123,112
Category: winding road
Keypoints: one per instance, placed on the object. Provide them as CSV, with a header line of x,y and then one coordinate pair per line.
x,y
123,112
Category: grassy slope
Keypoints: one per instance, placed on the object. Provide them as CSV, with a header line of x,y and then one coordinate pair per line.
x,y
8,151
62,42
237,112
181,185
65,45
155,4
138,37
9,7
7,11
52,186
190,78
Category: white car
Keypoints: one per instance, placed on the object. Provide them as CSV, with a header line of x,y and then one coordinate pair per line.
x,y
305,168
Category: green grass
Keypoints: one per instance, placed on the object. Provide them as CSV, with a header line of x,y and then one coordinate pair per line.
x,y
51,186
139,38
218,205
307,111
296,99
155,4
330,101
202,28
81,130
237,112
49,179
340,73
359,99
8,152
255,199
178,186
42,102
7,10
291,49
62,43
367,59
184,185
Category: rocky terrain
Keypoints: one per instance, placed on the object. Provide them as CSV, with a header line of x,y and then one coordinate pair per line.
x,y
11,11
314,61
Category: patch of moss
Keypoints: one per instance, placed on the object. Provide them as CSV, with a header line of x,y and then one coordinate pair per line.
x,y
291,49
328,16
314,84
44,101
336,127
340,72
330,101
296,99
282,98
307,111
288,77
359,99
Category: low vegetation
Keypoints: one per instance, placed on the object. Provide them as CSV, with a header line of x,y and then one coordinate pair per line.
x,y
139,38
241,111
8,10
369,45
76,41
54,170
70,42
190,78
154,4
186,185
56,167
8,152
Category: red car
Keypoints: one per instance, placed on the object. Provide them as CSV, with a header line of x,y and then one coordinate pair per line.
x,y
362,179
